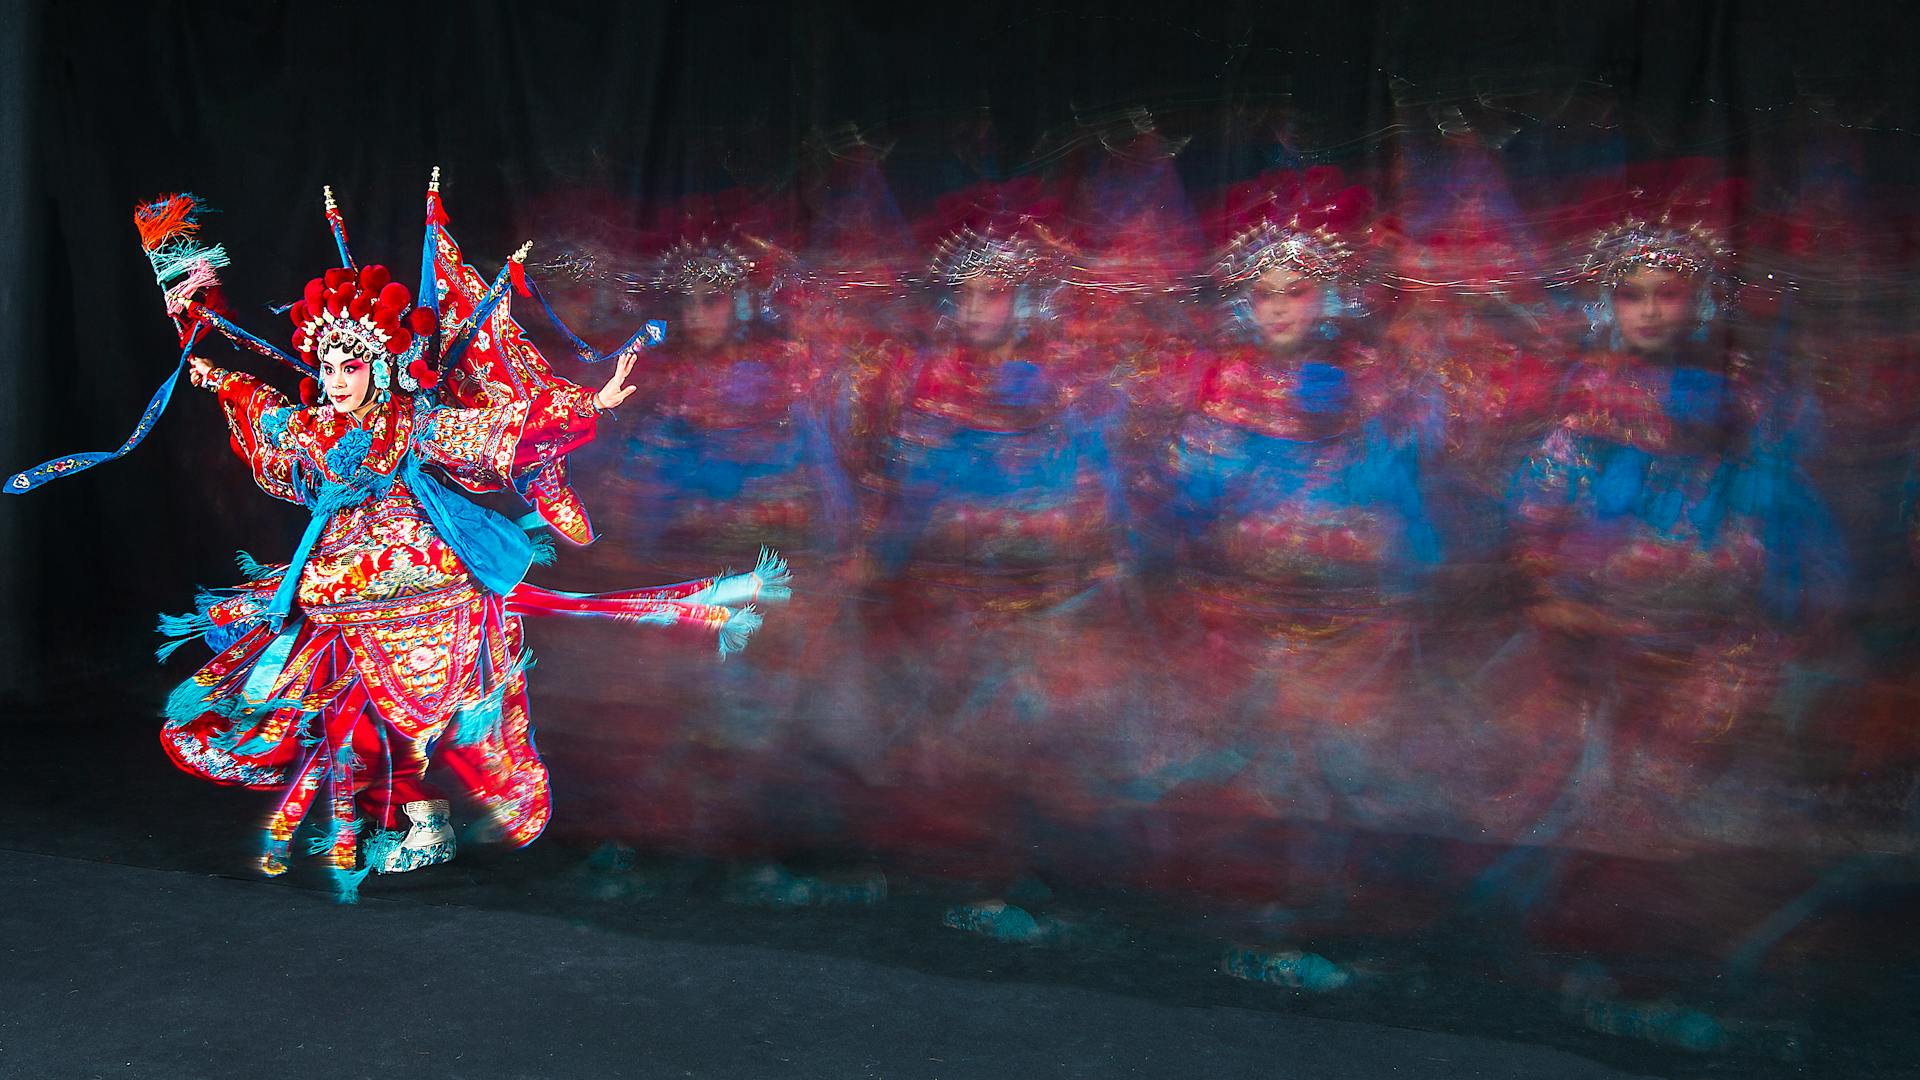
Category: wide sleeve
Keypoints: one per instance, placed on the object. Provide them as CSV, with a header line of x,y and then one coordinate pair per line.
x,y
522,444
257,417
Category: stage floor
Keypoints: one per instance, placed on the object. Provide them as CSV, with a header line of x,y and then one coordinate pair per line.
x,y
135,942
124,971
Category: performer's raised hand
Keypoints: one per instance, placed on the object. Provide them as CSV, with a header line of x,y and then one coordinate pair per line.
x,y
615,392
199,371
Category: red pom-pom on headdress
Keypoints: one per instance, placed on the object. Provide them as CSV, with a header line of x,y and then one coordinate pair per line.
x,y
365,312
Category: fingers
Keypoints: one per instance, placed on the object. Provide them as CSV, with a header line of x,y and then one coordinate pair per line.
x,y
612,396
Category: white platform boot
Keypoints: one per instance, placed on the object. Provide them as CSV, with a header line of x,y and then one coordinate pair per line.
x,y
429,841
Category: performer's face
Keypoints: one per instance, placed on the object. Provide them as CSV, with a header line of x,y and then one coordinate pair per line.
x,y
345,378
706,314
983,310
1284,306
1653,308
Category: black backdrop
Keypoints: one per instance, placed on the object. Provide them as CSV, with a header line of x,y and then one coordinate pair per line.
x,y
255,106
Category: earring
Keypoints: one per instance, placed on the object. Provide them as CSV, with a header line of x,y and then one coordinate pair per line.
x,y
1708,309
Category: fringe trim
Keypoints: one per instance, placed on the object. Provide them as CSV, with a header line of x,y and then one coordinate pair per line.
x,y
776,580
770,579
543,552
734,635
253,568
346,883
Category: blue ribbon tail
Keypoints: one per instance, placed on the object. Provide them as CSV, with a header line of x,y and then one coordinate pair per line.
x,y
289,590
68,464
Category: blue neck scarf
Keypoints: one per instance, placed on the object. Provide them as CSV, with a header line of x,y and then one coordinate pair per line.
x,y
494,550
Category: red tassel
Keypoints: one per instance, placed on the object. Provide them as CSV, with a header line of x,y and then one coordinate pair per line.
x,y
436,214
309,392
423,321
518,271
166,218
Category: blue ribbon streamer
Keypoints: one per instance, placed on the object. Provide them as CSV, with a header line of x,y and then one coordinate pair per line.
x,y
69,464
250,341
651,333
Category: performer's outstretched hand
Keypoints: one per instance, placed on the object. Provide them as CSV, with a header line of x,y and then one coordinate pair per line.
x,y
612,394
198,370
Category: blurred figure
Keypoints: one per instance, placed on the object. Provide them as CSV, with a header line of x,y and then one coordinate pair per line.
x,y
1678,560
1287,536
727,448
994,542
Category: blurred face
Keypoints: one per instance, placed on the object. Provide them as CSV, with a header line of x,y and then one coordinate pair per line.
x,y
706,315
1654,308
1284,307
345,379
983,310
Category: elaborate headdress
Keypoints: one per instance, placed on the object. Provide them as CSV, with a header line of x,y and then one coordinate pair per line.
x,y
1662,215
1688,250
993,230
690,263
369,315
965,254
1311,252
1292,221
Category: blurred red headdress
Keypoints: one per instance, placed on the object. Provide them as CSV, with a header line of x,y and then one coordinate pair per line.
x,y
1307,222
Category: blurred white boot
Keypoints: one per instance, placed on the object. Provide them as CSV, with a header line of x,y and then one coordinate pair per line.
x,y
429,841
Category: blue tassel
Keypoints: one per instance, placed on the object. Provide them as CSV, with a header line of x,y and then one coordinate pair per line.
x,y
187,701
734,635
543,553
474,724
176,259
165,652
251,567
776,580
346,883
380,845
185,626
